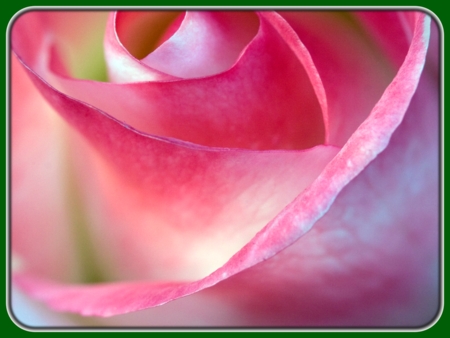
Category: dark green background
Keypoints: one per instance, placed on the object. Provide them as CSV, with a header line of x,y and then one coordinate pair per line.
x,y
11,7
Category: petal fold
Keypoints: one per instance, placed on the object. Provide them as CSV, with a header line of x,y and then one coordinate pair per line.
x,y
244,107
352,67
120,44
205,44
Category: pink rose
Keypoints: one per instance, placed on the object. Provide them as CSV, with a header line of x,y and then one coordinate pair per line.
x,y
238,169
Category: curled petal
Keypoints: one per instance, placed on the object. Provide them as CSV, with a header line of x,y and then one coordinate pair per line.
x,y
120,34
244,107
205,44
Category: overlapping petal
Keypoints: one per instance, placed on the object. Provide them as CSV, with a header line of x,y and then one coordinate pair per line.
x,y
124,43
152,171
380,25
266,101
192,52
347,55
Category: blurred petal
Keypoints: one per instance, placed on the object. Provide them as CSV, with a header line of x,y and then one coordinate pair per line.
x,y
79,45
39,185
32,314
199,310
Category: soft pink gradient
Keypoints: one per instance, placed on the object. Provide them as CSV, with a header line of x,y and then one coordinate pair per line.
x,y
334,232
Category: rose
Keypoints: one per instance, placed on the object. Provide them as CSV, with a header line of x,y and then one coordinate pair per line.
x,y
361,292
339,234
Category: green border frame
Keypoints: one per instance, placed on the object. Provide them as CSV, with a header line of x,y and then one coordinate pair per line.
x,y
11,8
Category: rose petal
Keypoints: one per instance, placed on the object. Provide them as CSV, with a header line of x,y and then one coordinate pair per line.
x,y
220,190
122,65
39,184
85,41
244,107
276,168
383,24
206,43
197,310
353,70
373,259
31,313
370,139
